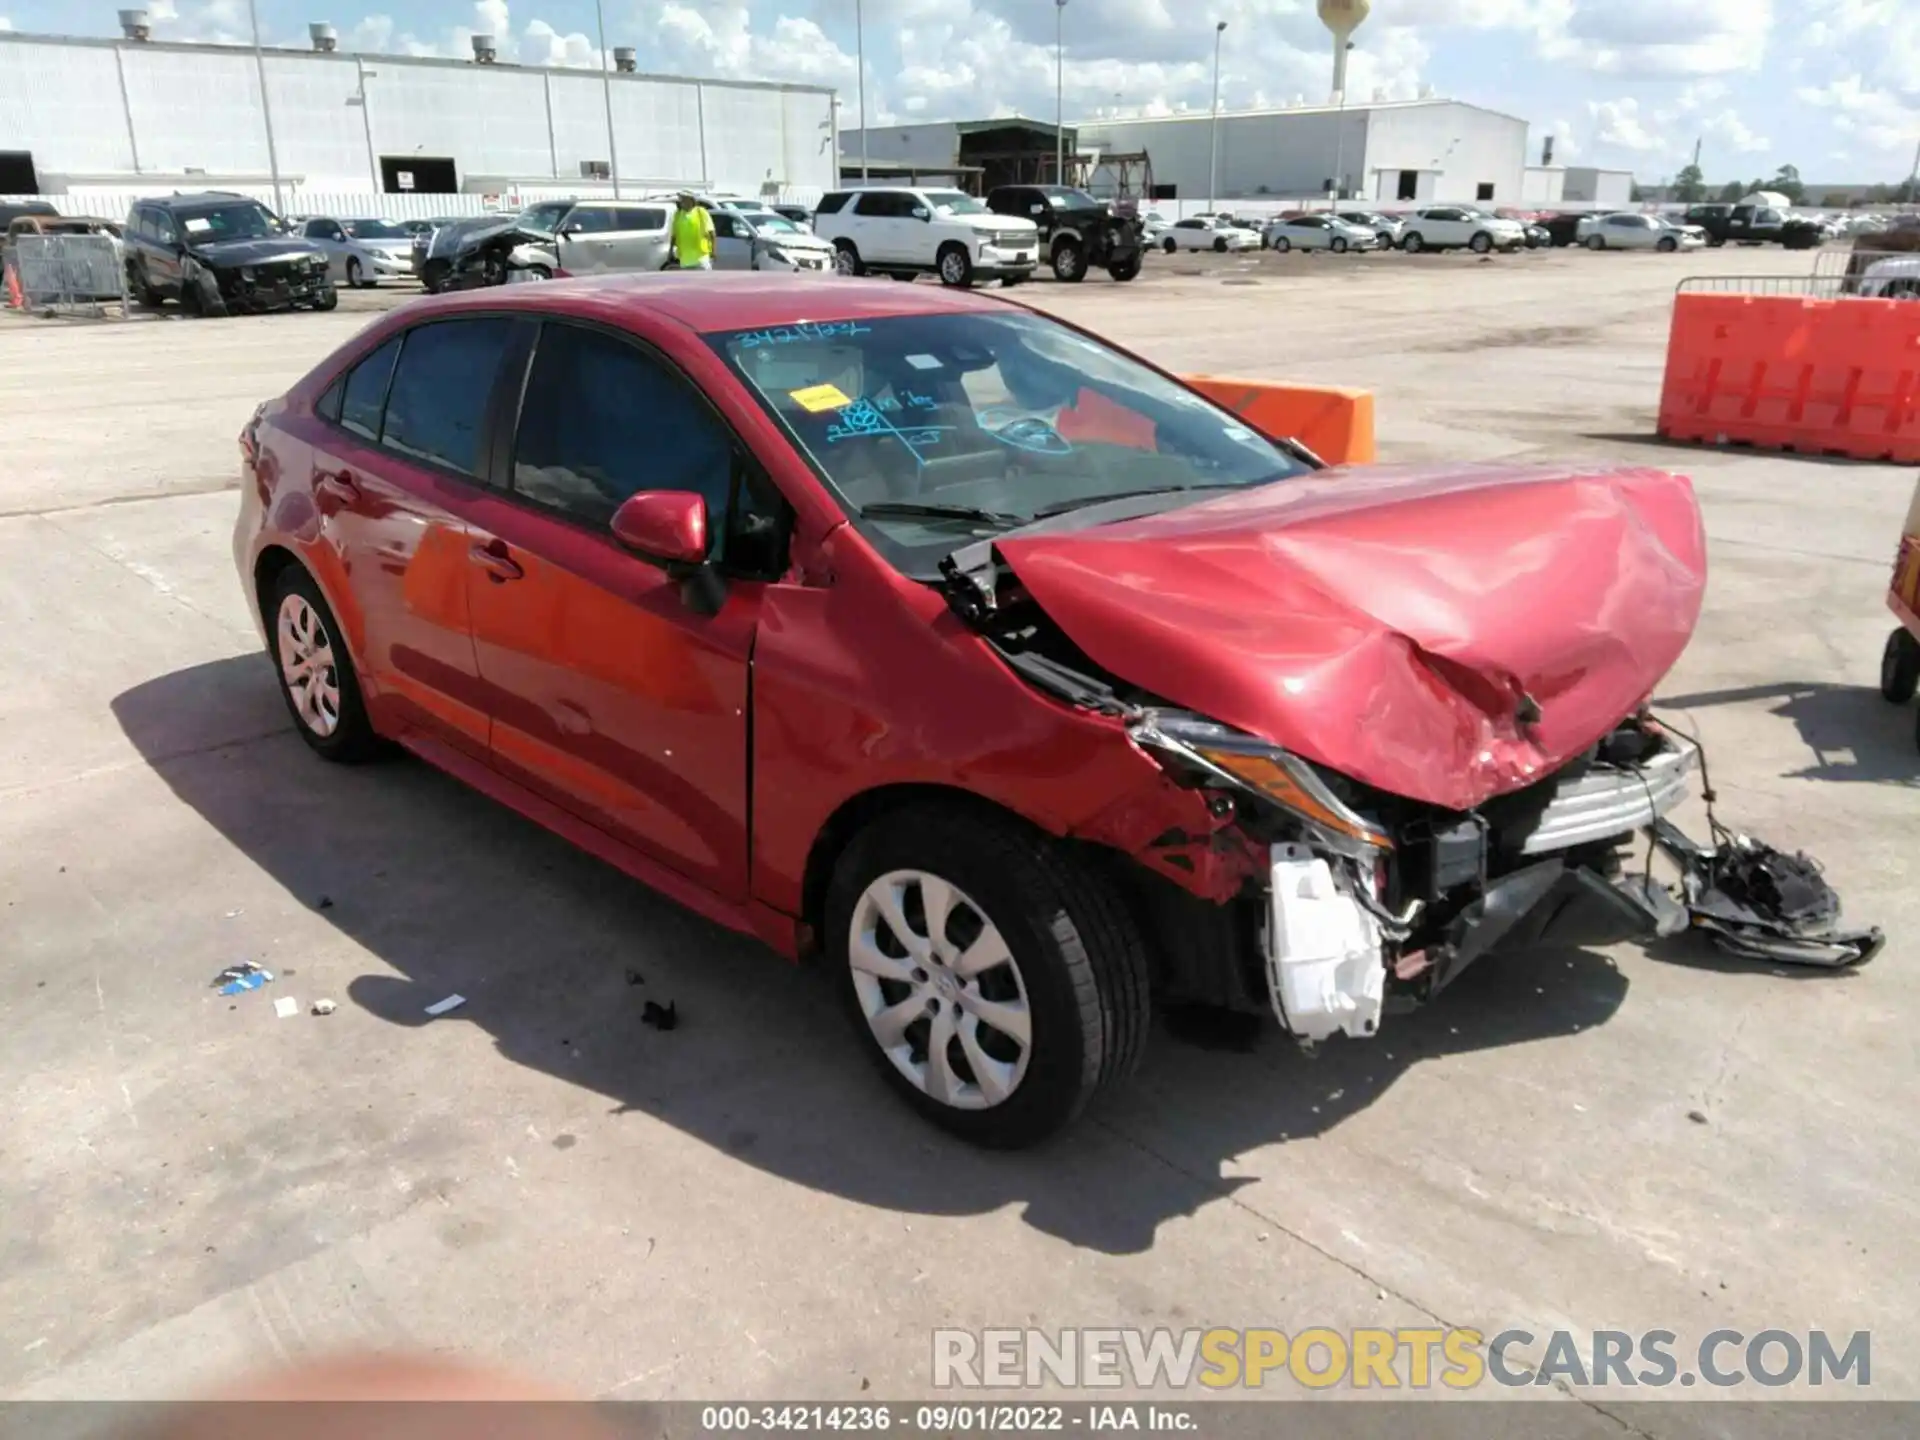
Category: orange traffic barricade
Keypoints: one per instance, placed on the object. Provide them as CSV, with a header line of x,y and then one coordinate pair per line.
x,y
1792,372
1333,422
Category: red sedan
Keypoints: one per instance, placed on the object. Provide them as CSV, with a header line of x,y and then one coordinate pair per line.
x,y
914,630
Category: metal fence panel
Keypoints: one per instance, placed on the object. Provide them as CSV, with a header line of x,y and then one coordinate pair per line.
x,y
1819,287
67,270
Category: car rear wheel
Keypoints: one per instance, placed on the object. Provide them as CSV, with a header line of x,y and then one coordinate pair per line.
x,y
996,976
317,678
1069,262
1480,244
846,259
956,266
433,276
1900,668
1414,243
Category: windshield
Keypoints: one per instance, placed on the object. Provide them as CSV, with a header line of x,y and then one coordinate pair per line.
x,y
374,229
1064,198
954,202
933,428
775,225
543,218
245,221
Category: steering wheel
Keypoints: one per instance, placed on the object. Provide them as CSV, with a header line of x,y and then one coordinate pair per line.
x,y
1033,434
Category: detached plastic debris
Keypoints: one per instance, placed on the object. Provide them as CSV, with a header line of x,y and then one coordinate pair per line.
x,y
324,1007
1758,902
660,1017
441,1007
244,976
286,1007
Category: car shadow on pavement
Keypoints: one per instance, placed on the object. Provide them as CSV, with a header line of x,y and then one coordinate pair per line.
x,y
557,955
1854,734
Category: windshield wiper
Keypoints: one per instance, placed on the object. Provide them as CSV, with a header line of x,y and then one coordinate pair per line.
x,y
912,510
1062,507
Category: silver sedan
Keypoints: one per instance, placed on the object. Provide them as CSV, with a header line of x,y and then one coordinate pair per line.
x,y
362,252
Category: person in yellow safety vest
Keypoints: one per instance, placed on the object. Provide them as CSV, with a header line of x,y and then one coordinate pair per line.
x,y
692,234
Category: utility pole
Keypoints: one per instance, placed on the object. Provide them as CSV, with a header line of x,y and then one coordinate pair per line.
x,y
1059,111
860,46
1213,165
266,109
1913,179
606,94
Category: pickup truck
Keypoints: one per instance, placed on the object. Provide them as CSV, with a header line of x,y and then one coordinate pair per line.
x,y
1077,231
1755,225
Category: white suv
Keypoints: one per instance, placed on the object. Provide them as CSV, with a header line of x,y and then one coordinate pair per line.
x,y
1446,227
905,233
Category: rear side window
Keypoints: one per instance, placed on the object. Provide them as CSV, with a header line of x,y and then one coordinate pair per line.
x,y
365,394
437,404
832,203
636,217
603,420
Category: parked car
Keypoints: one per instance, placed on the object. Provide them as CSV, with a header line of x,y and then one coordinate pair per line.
x,y
801,215
1450,227
98,279
1208,232
1317,232
495,250
1077,232
555,237
423,232
1387,228
1755,225
1154,227
217,253
12,210
1630,230
361,252
1562,228
909,232
969,641
1897,277
766,241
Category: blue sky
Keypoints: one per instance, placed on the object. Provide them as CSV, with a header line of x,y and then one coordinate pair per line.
x,y
1831,86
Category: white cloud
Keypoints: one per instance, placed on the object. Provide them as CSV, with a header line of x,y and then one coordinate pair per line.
x,y
1882,122
5,23
1618,123
1658,38
1729,132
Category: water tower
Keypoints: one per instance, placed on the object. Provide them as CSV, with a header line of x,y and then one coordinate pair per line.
x,y
1342,17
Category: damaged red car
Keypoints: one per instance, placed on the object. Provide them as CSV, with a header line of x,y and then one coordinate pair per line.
x,y
996,668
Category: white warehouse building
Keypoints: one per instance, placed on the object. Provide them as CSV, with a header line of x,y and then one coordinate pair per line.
x,y
132,115
1390,151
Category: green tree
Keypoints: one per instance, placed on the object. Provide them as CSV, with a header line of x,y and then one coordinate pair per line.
x,y
1787,181
1731,192
1636,194
1690,186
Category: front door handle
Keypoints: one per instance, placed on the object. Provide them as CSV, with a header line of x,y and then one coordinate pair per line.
x,y
338,483
493,557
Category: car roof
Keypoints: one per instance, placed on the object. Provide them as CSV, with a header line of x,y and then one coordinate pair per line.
x,y
710,301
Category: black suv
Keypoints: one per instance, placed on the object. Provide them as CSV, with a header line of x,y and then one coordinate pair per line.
x,y
1076,230
1754,225
217,253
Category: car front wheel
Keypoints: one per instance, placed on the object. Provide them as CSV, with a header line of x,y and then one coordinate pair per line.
x,y
1596,242
1414,243
846,259
1282,244
1667,244
956,267
356,277
996,976
1481,243
1172,246
1220,246
1069,262
1125,270
1339,246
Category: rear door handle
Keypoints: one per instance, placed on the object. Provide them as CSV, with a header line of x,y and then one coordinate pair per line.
x,y
492,557
338,483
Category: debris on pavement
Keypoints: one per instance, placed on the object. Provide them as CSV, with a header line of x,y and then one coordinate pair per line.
x,y
634,977
244,976
660,1017
1698,1117
441,1007
324,1007
325,902
286,1007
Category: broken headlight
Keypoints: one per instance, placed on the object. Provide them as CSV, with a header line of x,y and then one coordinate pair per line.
x,y
1249,763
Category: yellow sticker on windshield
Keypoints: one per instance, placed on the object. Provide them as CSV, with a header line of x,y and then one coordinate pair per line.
x,y
816,398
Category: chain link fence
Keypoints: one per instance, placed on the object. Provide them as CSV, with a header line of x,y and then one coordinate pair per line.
x,y
67,274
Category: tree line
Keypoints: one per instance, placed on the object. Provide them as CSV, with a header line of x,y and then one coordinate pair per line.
x,y
1690,187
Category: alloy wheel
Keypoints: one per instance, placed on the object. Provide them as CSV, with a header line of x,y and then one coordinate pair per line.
x,y
941,992
307,665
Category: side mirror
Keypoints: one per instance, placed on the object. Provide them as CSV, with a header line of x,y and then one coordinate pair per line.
x,y
920,213
667,526
567,232
1036,209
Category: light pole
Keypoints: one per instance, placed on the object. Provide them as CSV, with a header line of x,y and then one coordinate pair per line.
x,y
1913,180
1340,138
860,48
266,109
1059,89
1213,164
606,95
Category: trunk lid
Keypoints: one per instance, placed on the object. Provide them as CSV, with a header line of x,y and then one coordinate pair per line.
x,y
1442,633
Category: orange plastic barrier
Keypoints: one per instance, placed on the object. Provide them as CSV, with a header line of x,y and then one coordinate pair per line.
x,y
14,298
1825,377
1335,423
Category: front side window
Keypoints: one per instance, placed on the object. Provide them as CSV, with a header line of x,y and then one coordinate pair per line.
x,y
590,220
603,420
832,203
544,217
931,428
954,202
881,204
437,405
375,230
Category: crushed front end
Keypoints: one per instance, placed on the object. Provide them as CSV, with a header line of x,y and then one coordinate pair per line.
x,y
1371,899
276,284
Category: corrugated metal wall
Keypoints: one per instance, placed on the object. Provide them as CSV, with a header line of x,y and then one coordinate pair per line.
x,y
198,109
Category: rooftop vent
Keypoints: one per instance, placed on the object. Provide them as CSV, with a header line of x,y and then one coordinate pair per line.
x,y
483,51
135,25
325,38
625,60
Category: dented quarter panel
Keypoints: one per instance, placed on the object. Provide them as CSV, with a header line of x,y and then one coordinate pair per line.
x,y
1387,622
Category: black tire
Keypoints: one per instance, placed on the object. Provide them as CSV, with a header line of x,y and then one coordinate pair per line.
x,y
1069,262
1125,270
1414,243
352,738
326,298
1900,668
1339,245
1480,244
846,258
1281,244
905,276
1079,953
1666,245
356,277
200,294
1596,242
433,275
143,292
1714,242
1220,246
1171,246
955,266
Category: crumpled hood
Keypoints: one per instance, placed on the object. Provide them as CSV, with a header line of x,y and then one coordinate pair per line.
x,y
263,251
1388,621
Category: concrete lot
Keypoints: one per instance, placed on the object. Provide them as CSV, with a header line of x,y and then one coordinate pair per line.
x,y
737,1208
